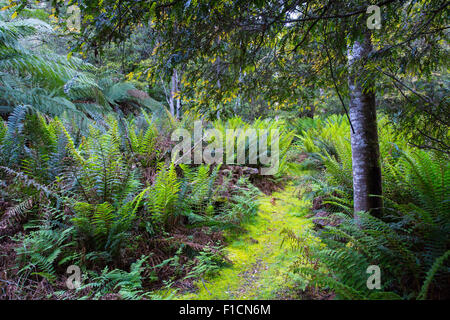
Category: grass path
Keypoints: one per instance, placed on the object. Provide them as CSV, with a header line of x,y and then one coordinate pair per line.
x,y
259,260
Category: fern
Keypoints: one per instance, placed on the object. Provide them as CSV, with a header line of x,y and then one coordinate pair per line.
x,y
197,189
409,242
163,195
258,126
12,149
142,142
128,284
40,251
103,227
438,263
15,214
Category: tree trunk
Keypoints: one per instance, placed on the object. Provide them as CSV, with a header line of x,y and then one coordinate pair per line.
x,y
364,139
178,106
173,90
175,103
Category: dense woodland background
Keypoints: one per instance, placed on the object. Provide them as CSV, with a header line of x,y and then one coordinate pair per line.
x,y
87,177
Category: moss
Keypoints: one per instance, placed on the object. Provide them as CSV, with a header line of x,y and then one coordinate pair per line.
x,y
260,261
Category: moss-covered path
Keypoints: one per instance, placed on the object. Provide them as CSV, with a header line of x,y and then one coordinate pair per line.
x,y
260,262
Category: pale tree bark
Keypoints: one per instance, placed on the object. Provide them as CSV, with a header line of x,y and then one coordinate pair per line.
x,y
174,103
367,188
173,89
178,106
218,84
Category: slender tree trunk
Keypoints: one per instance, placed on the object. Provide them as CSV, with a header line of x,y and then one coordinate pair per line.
x,y
218,85
178,106
173,89
175,103
364,139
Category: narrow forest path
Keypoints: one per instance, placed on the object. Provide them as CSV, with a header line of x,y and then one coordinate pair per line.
x,y
260,260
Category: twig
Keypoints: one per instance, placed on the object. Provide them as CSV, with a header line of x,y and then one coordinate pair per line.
x,y
203,282
336,88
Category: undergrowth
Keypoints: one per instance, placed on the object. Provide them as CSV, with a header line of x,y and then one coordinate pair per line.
x,y
410,242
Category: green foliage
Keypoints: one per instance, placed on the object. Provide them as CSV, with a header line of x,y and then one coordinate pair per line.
x,y
143,140
251,134
423,112
32,77
210,260
106,187
98,181
244,203
127,284
102,173
102,227
198,190
52,69
370,241
3,130
162,196
41,250
438,263
409,242
327,144
55,84
13,139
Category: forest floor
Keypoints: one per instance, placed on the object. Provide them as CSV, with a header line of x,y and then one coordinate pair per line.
x,y
260,257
